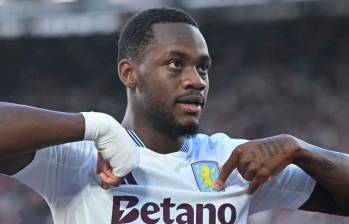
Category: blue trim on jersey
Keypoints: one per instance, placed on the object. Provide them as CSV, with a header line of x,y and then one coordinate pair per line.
x,y
129,179
135,138
185,146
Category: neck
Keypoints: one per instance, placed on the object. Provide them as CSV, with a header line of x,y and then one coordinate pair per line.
x,y
153,139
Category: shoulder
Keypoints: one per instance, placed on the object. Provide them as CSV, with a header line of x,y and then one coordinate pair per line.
x,y
73,153
81,147
70,153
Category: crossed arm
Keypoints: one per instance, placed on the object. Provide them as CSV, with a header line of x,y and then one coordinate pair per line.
x,y
25,129
258,161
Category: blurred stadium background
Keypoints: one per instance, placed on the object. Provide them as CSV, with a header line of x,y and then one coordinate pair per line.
x,y
279,66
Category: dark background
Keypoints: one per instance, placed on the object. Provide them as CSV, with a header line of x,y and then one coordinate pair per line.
x,y
268,77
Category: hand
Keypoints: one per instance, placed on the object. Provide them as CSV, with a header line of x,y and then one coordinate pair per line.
x,y
258,161
105,173
113,143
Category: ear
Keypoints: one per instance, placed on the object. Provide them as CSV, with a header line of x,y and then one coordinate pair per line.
x,y
127,73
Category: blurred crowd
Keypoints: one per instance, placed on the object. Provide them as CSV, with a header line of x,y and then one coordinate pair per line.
x,y
266,79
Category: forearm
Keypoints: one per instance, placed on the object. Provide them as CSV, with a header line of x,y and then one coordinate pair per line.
x,y
24,129
330,169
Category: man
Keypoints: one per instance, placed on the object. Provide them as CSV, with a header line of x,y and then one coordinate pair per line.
x,y
178,175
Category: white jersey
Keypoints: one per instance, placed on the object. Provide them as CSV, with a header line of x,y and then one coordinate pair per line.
x,y
165,188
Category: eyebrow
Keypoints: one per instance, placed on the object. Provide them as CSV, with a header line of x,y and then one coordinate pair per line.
x,y
202,58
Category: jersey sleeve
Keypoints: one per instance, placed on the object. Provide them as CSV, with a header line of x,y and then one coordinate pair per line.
x,y
290,189
60,170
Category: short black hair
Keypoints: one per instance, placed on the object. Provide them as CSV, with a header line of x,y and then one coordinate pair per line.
x,y
137,32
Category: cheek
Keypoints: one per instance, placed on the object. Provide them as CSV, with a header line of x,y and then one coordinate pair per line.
x,y
157,96
207,87
163,90
163,96
158,86
206,90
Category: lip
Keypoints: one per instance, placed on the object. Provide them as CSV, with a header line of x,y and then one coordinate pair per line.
x,y
190,98
190,107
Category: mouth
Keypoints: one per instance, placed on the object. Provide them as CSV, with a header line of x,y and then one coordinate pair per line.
x,y
191,107
192,104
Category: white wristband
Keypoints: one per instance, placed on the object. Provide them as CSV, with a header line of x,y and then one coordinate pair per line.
x,y
112,141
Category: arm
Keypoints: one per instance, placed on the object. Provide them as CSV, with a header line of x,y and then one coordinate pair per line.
x,y
261,160
25,129
331,171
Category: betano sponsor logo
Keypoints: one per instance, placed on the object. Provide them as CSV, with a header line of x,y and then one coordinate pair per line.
x,y
169,212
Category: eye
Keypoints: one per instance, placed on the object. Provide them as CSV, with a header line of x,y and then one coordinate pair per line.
x,y
175,65
203,69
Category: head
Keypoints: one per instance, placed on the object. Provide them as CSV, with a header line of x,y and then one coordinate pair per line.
x,y
163,61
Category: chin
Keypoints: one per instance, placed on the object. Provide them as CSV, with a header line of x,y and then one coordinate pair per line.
x,y
175,126
190,128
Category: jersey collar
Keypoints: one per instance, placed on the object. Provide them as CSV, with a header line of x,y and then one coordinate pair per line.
x,y
139,142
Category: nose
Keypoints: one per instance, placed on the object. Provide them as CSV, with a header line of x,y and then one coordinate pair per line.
x,y
193,80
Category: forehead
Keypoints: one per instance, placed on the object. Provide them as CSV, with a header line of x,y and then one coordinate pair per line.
x,y
181,37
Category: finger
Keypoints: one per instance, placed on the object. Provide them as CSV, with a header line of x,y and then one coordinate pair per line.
x,y
226,170
102,164
247,167
242,166
99,164
254,185
106,183
112,179
108,178
103,177
250,173
257,182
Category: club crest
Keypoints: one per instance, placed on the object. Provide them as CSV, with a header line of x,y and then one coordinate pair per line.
x,y
206,173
